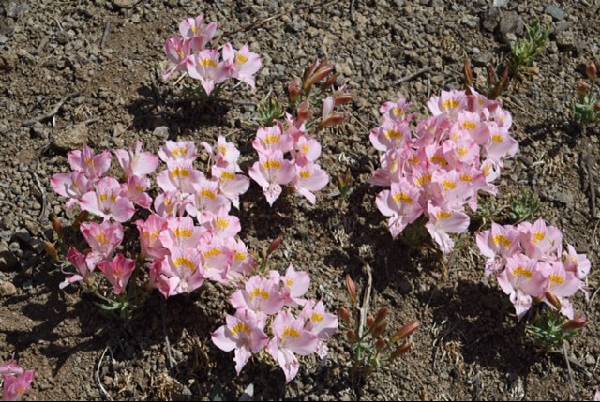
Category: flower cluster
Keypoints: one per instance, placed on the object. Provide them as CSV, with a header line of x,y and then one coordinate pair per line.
x,y
188,53
300,170
530,265
15,381
181,251
436,166
268,302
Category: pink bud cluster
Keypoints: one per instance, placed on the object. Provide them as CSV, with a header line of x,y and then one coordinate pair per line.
x,y
15,381
265,320
436,166
187,235
530,265
299,170
188,53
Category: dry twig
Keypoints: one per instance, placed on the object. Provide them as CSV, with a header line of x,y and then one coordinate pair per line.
x,y
364,309
51,113
413,75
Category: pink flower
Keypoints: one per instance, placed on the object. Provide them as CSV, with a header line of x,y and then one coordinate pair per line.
x,y
260,295
396,111
539,240
107,201
103,238
290,337
16,381
182,270
561,283
150,230
242,333
576,263
175,152
178,51
180,233
180,176
307,150
231,184
443,221
78,260
320,323
310,178
501,144
197,31
72,185
92,165
295,285
270,172
222,225
206,67
450,103
171,203
390,135
118,271
242,262
134,191
241,64
224,154
271,140
135,162
216,257
207,200
400,205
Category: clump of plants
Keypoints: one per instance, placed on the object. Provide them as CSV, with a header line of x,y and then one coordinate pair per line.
x,y
539,275
436,166
586,109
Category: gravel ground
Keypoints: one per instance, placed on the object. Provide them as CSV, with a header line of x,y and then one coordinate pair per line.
x,y
101,57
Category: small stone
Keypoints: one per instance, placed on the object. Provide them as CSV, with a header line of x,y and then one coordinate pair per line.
x,y
557,13
71,138
482,59
590,360
500,3
510,23
7,289
124,3
161,132
490,20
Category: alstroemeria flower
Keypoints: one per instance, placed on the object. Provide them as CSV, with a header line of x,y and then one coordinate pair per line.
x,y
242,64
149,231
561,282
178,51
180,176
92,165
78,260
540,240
400,205
242,262
307,150
224,154
175,152
270,172
576,263
207,200
171,203
72,185
197,32
451,102
390,135
242,333
310,178
118,271
135,189
206,67
135,162
183,271
180,233
222,225
231,184
501,144
103,238
260,295
396,111
271,139
295,285
522,281
16,382
443,221
216,257
290,337
107,201
320,323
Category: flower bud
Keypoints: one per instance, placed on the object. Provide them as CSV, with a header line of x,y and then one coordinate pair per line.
x,y
58,226
303,113
351,287
51,250
351,335
381,315
574,324
583,88
294,89
370,321
591,71
344,314
553,300
379,329
405,347
468,71
275,245
332,120
322,72
380,344
343,99
406,330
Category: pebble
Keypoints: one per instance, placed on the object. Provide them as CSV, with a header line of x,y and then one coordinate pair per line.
x,y
557,13
71,138
7,289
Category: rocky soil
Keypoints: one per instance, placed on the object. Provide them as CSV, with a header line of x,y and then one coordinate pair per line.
x,y
100,59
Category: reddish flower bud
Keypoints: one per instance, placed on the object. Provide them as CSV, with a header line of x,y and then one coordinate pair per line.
x,y
380,344
51,250
294,89
575,324
58,227
468,71
370,321
405,347
583,88
344,314
553,300
351,287
406,330
381,315
303,114
379,329
351,335
591,71
332,120
275,244
343,99
321,73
